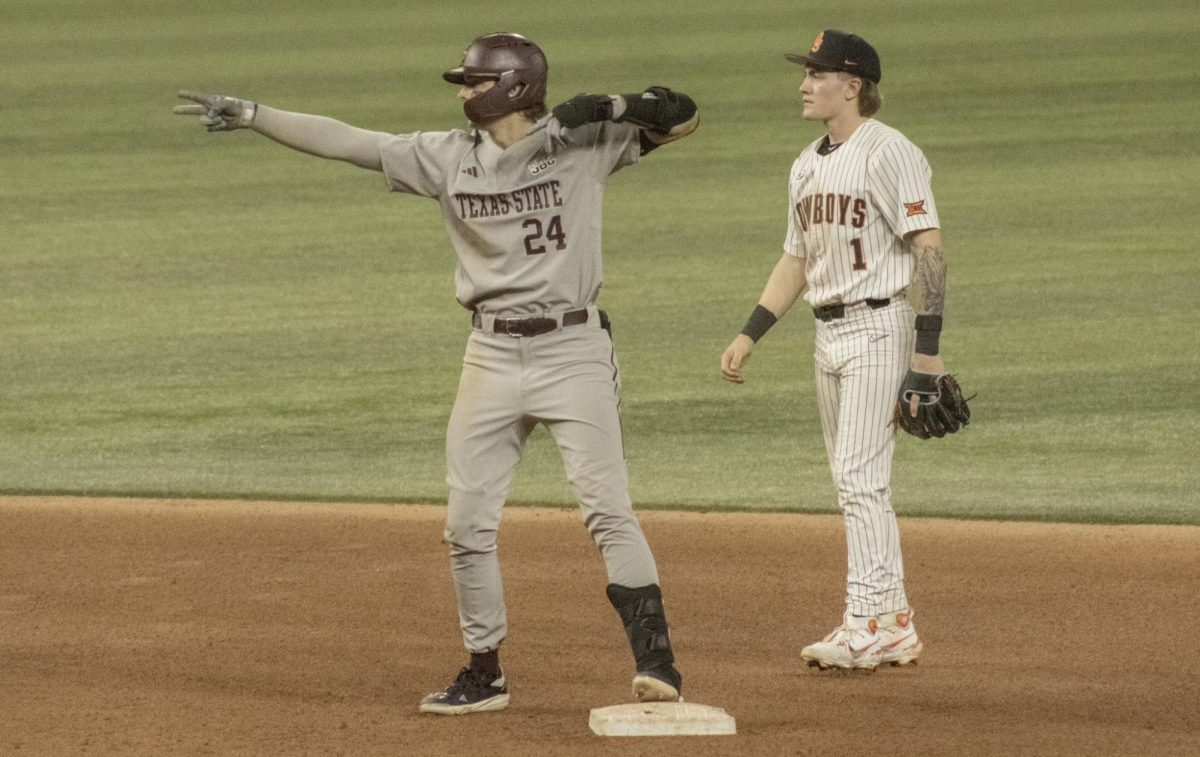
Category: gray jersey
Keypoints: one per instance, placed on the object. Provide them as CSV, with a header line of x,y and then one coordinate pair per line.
x,y
850,209
526,221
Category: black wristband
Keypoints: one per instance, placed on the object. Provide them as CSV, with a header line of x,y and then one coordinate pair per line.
x,y
760,321
929,331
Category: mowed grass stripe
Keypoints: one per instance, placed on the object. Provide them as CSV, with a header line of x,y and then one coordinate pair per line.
x,y
213,315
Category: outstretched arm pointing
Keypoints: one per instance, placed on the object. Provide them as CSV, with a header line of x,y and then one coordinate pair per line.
x,y
315,135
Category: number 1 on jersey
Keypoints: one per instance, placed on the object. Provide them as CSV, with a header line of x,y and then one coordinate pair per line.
x,y
860,261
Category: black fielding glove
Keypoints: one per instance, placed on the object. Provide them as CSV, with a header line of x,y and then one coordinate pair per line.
x,y
941,407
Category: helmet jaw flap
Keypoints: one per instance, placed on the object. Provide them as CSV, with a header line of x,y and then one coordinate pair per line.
x,y
517,66
508,96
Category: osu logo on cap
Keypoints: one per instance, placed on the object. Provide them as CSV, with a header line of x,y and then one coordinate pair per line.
x,y
817,42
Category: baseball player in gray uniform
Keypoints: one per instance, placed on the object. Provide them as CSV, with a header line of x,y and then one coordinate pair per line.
x,y
521,194
862,229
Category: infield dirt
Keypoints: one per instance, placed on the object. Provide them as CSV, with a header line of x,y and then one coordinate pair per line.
x,y
190,627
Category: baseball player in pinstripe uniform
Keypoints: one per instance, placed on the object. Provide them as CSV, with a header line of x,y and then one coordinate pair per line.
x,y
521,195
862,230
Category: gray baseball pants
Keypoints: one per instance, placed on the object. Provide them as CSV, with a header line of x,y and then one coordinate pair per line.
x,y
569,380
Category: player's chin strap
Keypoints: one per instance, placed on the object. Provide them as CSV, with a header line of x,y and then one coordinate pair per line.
x,y
641,611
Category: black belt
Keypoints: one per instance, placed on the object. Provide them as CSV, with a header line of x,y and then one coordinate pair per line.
x,y
832,312
532,326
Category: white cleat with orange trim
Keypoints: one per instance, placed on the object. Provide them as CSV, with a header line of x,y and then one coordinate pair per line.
x,y
900,644
854,645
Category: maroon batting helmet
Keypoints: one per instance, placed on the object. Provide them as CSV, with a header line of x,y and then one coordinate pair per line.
x,y
516,65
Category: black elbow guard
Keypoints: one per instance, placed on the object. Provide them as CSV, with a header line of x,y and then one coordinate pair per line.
x,y
658,108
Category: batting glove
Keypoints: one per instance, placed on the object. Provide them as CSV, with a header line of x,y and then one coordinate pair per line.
x,y
217,112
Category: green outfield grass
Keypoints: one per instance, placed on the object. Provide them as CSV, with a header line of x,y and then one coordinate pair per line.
x,y
214,315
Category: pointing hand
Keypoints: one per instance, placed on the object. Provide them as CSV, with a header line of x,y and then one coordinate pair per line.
x,y
217,112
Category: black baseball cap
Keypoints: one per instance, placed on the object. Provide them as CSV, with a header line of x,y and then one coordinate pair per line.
x,y
840,51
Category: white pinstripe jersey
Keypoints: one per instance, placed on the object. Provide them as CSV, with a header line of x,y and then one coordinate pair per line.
x,y
849,210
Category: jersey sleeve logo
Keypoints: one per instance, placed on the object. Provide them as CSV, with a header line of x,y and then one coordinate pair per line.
x,y
915,209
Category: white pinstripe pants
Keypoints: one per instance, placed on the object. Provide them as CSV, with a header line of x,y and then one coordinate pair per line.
x,y
860,362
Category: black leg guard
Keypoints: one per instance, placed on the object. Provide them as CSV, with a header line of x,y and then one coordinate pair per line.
x,y
641,612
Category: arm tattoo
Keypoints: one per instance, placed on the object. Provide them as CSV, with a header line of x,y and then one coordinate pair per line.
x,y
931,273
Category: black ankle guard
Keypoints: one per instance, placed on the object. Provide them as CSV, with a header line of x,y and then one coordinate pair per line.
x,y
641,612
